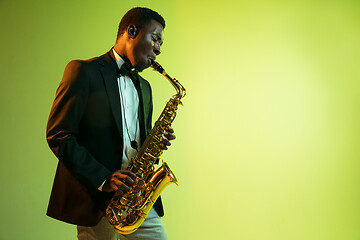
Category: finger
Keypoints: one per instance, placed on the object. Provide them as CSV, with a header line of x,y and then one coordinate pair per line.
x,y
162,143
121,192
120,185
165,141
129,173
128,180
123,187
115,183
169,136
123,177
111,186
170,129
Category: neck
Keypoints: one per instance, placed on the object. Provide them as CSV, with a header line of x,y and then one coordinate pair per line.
x,y
120,49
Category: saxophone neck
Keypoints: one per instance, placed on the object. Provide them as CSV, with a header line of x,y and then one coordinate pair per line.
x,y
181,91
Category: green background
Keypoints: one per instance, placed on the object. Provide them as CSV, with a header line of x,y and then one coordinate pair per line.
x,y
267,140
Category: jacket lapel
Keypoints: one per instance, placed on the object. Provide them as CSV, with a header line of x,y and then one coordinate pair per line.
x,y
109,73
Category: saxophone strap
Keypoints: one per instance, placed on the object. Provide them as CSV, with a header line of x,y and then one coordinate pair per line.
x,y
127,70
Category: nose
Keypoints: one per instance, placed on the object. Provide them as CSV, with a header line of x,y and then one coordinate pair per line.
x,y
156,49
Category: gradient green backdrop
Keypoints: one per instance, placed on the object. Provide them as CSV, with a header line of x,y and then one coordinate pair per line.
x,y
267,140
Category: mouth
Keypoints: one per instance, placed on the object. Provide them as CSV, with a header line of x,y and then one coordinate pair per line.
x,y
151,60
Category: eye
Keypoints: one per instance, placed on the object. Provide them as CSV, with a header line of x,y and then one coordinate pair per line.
x,y
155,38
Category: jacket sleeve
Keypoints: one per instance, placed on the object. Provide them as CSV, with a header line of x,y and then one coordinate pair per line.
x,y
63,127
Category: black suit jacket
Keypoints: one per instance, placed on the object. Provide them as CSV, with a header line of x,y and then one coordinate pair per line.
x,y
85,133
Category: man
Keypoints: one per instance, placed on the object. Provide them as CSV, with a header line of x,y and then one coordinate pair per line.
x,y
100,117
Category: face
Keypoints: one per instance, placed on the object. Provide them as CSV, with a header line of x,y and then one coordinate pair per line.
x,y
145,45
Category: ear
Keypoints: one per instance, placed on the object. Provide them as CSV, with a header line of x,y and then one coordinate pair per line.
x,y
132,31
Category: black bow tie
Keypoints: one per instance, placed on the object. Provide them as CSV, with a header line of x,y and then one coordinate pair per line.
x,y
126,70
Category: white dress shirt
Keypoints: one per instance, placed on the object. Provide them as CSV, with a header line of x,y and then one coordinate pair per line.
x,y
129,101
129,104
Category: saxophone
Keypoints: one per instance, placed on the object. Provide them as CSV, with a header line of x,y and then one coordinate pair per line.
x,y
126,213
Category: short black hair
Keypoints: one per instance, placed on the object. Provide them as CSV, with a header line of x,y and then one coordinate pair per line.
x,y
139,17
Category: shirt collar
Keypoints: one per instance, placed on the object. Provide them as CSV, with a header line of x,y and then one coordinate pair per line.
x,y
118,59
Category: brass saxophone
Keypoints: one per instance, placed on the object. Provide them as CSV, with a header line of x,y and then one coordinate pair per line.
x,y
126,213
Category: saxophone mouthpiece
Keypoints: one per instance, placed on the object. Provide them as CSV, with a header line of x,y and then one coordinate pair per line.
x,y
157,67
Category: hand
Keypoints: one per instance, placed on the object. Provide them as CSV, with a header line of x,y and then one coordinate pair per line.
x,y
121,181
167,137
